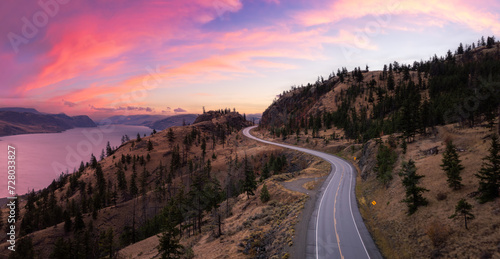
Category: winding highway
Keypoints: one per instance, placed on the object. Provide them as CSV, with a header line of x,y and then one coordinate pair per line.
x,y
336,229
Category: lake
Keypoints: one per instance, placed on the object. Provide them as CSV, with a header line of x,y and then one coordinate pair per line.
x,y
40,158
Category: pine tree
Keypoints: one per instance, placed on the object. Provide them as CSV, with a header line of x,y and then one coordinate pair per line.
x,y
460,49
144,181
463,208
24,249
109,150
452,167
103,155
106,243
414,197
68,224
79,223
138,137
424,116
490,42
409,113
122,181
150,145
264,194
265,172
249,185
82,167
203,147
93,161
170,136
390,81
489,175
133,185
61,249
101,181
386,158
169,245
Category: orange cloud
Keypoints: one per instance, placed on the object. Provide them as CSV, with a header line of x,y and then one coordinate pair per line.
x,y
259,45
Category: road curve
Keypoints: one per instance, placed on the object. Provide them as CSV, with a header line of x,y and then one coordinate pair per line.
x,y
336,229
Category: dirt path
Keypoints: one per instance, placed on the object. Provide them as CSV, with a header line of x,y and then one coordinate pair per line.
x,y
297,185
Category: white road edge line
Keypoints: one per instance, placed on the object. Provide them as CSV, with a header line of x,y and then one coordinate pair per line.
x,y
352,215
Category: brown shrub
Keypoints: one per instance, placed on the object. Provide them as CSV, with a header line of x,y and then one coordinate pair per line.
x,y
392,141
438,232
440,196
486,255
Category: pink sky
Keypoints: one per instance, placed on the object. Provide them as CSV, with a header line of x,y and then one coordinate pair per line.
x,y
105,58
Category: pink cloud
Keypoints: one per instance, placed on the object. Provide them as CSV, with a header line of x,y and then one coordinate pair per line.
x,y
90,54
99,40
69,104
463,12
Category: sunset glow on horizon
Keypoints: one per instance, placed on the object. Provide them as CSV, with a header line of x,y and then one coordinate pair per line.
x,y
103,58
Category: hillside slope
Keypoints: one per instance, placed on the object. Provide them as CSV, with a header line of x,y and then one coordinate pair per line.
x,y
407,98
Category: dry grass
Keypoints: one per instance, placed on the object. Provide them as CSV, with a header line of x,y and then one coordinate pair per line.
x,y
312,184
429,232
419,236
438,232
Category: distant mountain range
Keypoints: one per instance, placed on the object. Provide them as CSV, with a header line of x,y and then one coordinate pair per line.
x,y
19,109
18,120
15,120
136,120
157,122
254,117
176,120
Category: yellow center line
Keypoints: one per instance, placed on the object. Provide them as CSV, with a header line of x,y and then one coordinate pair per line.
x,y
334,210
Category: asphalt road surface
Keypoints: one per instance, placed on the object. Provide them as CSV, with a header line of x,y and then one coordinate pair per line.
x,y
336,229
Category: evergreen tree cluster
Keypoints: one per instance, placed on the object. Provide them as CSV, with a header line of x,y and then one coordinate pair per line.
x,y
275,164
386,157
460,89
489,175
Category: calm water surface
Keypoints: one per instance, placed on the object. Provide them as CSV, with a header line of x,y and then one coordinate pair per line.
x,y
40,158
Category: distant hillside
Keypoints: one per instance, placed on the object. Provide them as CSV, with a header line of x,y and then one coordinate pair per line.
x,y
136,120
157,122
176,120
15,122
20,109
254,117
